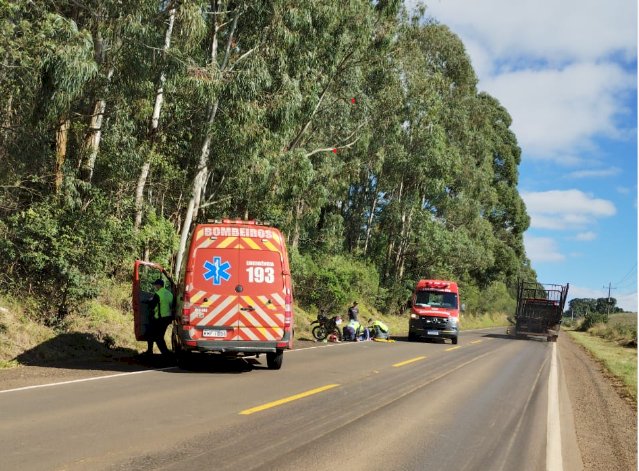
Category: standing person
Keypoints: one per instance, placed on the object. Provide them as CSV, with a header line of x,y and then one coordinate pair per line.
x,y
353,312
160,315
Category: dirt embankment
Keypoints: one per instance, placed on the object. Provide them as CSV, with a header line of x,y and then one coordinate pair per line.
x,y
605,422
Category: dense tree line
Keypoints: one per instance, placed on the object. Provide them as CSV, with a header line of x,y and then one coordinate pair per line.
x,y
582,306
356,127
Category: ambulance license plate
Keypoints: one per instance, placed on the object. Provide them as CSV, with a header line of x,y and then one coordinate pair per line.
x,y
432,332
214,333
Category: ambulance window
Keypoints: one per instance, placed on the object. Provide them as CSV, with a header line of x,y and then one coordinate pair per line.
x,y
436,299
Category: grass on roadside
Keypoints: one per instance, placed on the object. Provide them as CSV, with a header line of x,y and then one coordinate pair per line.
x,y
620,361
620,328
484,321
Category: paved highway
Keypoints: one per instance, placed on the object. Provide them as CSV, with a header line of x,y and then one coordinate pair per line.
x,y
489,403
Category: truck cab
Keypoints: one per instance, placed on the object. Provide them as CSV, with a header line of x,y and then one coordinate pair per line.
x,y
434,311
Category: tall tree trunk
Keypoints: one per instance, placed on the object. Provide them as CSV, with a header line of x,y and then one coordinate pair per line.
x,y
153,128
61,140
299,209
196,190
199,181
94,135
369,223
6,125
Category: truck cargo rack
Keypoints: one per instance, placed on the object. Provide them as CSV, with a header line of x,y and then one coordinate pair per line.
x,y
539,309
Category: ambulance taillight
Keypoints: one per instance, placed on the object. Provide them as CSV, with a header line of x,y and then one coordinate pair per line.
x,y
288,313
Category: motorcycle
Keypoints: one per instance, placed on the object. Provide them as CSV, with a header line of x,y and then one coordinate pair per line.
x,y
326,326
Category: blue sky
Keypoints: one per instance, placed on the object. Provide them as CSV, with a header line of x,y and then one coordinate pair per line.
x,y
567,73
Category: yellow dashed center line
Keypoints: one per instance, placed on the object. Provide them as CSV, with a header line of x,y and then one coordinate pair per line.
x,y
452,348
295,397
475,341
402,363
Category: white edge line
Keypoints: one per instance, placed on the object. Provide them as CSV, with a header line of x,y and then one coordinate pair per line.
x,y
553,429
82,380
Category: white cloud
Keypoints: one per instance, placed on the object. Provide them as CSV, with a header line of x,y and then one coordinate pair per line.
x,y
565,209
624,190
586,236
603,172
568,30
627,301
555,66
559,111
542,249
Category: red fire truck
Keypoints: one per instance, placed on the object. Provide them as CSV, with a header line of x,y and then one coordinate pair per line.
x,y
434,311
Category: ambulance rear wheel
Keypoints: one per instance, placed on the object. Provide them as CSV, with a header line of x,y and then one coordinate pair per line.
x,y
274,359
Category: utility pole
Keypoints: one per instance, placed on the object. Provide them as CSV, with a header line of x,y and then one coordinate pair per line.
x,y
609,288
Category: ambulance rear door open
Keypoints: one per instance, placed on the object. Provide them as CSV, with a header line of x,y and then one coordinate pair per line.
x,y
144,274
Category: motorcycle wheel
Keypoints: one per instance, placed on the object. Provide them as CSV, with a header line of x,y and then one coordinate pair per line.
x,y
319,332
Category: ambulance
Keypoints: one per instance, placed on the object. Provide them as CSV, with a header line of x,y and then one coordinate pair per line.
x,y
434,311
235,294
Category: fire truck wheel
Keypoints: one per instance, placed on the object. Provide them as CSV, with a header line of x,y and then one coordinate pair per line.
x,y
274,360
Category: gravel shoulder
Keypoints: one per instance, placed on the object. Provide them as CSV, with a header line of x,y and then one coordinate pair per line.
x,y
605,422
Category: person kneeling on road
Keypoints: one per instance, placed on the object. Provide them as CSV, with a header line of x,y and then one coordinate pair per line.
x,y
351,330
379,330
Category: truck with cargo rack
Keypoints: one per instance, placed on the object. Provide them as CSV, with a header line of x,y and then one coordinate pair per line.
x,y
539,310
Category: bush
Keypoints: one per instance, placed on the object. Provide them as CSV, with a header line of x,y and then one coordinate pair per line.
x,y
591,319
331,282
60,254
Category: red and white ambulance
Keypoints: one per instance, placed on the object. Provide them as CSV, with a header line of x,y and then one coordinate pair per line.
x,y
434,311
235,295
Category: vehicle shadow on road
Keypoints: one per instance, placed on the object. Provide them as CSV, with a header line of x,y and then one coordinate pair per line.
x,y
217,364
513,337
82,351
418,340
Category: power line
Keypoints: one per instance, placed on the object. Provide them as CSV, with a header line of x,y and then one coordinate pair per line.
x,y
630,282
632,270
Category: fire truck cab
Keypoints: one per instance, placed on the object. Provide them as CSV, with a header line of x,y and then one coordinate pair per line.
x,y
234,297
434,311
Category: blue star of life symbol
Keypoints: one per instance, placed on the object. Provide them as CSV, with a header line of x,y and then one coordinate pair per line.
x,y
217,270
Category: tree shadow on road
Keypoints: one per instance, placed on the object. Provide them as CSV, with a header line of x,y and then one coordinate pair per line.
x,y
83,351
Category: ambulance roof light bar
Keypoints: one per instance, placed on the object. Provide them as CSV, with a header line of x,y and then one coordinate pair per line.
x,y
250,222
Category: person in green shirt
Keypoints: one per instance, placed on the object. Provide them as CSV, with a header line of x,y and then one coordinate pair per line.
x,y
160,316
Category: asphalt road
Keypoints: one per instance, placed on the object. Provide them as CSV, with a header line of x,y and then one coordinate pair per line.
x,y
489,403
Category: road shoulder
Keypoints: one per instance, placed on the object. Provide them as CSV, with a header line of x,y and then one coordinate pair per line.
x,y
605,423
